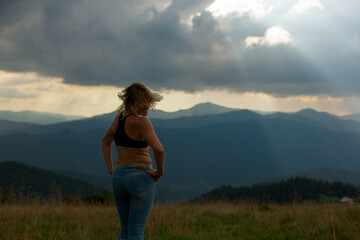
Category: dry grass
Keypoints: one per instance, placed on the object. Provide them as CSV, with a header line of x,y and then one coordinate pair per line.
x,y
248,221
184,221
50,221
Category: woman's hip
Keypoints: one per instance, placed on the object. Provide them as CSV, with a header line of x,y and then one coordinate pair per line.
x,y
133,181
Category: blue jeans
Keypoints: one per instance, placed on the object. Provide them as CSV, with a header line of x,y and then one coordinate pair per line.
x,y
134,192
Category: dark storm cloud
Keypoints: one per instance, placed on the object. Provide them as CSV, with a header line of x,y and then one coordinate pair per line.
x,y
12,10
93,43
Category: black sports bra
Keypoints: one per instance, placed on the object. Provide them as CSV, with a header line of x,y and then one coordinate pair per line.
x,y
122,139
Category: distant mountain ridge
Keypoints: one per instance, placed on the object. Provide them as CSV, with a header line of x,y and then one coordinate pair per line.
x,y
320,119
21,121
185,119
204,113
307,116
37,117
355,117
200,109
10,126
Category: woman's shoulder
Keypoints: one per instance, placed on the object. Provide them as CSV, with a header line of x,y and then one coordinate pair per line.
x,y
139,121
115,123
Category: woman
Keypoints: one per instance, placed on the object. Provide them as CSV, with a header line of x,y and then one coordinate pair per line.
x,y
133,178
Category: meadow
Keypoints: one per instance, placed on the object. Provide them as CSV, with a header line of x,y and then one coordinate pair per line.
x,y
221,220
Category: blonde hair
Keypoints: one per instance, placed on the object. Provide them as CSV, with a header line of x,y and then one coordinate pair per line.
x,y
140,93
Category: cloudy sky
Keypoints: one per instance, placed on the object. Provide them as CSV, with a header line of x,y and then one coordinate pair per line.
x,y
72,56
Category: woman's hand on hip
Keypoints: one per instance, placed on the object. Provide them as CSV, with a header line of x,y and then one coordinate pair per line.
x,y
111,171
155,173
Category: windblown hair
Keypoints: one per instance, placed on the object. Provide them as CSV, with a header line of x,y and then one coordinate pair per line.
x,y
137,92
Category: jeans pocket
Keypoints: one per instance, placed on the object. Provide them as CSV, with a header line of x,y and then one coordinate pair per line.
x,y
141,183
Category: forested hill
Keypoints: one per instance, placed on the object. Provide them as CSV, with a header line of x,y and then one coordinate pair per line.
x,y
286,191
20,179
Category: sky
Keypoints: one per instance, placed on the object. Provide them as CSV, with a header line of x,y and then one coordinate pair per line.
x,y
73,57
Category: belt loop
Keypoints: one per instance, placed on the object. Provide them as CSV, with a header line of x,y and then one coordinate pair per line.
x,y
140,167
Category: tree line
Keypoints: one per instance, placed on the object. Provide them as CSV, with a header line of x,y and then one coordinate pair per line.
x,y
294,189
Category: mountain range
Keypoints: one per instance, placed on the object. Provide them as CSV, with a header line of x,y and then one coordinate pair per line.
x,y
32,122
201,109
306,116
355,117
197,110
238,147
36,117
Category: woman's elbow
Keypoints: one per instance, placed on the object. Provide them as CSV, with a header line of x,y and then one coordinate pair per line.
x,y
105,142
159,150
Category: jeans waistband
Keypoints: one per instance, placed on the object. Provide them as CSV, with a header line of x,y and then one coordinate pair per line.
x,y
134,164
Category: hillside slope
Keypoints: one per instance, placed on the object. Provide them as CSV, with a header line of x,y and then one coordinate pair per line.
x,y
21,177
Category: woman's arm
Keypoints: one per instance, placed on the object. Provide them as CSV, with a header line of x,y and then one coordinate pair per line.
x,y
150,137
106,145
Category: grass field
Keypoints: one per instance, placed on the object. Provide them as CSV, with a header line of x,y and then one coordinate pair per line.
x,y
184,221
